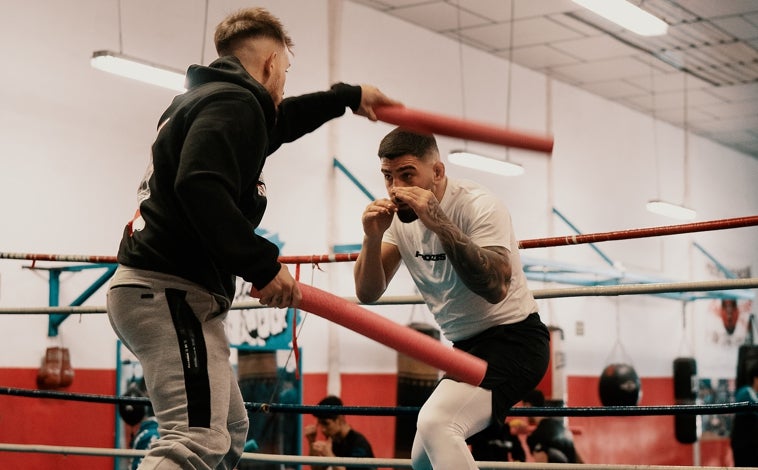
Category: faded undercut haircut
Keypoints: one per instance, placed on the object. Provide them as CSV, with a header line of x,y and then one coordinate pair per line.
x,y
401,142
248,23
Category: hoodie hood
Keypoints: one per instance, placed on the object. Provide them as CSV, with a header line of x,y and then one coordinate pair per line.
x,y
229,69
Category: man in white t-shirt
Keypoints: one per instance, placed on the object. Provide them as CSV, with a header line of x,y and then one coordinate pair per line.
x,y
456,239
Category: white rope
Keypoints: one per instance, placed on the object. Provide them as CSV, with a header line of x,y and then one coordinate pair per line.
x,y
337,461
584,291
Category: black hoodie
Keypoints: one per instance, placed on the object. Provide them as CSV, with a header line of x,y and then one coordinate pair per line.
x,y
202,196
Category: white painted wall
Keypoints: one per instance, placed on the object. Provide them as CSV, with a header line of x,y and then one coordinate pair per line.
x,y
70,169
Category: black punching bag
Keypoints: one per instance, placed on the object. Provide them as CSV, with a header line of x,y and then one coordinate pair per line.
x,y
685,393
619,385
747,357
415,382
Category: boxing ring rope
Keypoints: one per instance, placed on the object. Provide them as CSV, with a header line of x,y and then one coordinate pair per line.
x,y
737,222
582,291
377,411
301,259
721,224
579,411
628,289
337,461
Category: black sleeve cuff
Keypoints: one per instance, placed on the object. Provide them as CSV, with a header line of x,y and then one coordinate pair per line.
x,y
264,276
350,94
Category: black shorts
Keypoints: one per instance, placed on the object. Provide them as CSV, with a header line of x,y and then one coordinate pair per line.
x,y
517,357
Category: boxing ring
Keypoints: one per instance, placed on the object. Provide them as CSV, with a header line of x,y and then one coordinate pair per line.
x,y
347,312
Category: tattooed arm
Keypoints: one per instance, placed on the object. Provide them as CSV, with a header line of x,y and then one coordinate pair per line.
x,y
484,270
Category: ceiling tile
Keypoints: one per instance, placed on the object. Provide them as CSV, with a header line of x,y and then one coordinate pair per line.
x,y
530,8
594,48
496,10
676,116
439,16
538,57
738,26
376,4
718,8
663,82
456,36
728,125
526,32
613,89
736,92
735,109
605,70
711,50
675,100
571,22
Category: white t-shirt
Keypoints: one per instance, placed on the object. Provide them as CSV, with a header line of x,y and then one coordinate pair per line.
x,y
460,312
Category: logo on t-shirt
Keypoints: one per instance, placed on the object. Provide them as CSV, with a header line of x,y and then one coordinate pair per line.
x,y
432,257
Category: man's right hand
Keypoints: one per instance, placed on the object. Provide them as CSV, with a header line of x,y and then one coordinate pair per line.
x,y
377,217
371,97
309,432
282,291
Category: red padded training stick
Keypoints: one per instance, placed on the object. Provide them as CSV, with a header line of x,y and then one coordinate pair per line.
x,y
454,362
431,123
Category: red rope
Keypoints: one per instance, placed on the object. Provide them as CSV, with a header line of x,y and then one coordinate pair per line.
x,y
294,330
315,259
640,232
524,244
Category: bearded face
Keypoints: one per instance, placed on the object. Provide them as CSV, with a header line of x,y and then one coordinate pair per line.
x,y
730,313
406,214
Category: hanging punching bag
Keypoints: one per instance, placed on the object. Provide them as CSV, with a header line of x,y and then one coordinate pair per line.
x,y
747,356
553,383
685,393
619,385
257,377
415,382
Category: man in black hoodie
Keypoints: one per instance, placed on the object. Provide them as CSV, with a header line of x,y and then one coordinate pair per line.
x,y
193,233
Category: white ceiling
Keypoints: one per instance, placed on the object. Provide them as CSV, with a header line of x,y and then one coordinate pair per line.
x,y
702,75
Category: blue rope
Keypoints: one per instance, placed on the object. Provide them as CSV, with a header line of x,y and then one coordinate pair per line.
x,y
713,409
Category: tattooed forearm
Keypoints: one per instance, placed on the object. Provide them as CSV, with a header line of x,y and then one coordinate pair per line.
x,y
484,270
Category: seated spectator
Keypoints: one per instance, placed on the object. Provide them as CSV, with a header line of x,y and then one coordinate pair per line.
x,y
341,440
550,441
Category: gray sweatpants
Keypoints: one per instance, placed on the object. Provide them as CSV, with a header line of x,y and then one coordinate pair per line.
x,y
175,329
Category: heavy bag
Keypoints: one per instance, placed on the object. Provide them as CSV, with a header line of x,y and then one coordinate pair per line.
x,y
132,413
415,382
619,385
747,357
49,373
553,383
257,374
685,393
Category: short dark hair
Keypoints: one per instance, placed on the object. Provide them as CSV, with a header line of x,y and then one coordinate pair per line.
x,y
248,23
401,142
330,400
535,398
752,372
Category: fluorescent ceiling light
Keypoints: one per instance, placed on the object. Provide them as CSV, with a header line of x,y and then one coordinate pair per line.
x,y
629,16
668,209
479,162
136,69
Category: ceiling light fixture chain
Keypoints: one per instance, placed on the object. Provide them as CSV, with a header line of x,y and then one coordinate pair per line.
x,y
205,31
510,74
460,61
656,157
685,130
120,33
473,160
658,205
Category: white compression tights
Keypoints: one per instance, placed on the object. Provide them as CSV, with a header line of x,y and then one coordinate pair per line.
x,y
454,412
